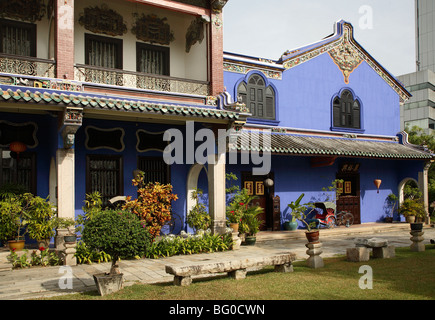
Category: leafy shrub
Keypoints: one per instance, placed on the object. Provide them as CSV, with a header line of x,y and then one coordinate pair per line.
x,y
42,257
93,204
118,233
153,204
84,254
198,218
202,243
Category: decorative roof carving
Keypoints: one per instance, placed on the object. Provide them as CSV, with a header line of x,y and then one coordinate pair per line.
x,y
346,53
150,28
345,56
25,10
103,20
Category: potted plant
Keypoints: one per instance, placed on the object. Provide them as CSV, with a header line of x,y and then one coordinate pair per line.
x,y
412,209
235,210
198,218
13,221
41,219
251,224
121,234
299,211
67,223
392,201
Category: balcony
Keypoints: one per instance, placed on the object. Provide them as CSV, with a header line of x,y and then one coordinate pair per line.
x,y
27,66
136,80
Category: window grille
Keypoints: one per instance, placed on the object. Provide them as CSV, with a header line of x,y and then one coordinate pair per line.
x,y
18,170
152,59
104,174
103,52
155,169
18,38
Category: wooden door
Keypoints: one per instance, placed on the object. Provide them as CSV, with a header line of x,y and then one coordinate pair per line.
x,y
349,198
256,187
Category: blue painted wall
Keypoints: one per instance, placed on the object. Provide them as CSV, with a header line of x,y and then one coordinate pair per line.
x,y
129,155
305,93
294,176
45,150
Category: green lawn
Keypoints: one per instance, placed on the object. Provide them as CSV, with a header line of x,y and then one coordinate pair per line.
x,y
408,276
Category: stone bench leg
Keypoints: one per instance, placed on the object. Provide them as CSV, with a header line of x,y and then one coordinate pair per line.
x,y
182,281
384,252
358,254
238,274
288,267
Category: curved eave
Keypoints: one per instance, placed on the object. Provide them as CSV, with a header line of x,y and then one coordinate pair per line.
x,y
98,102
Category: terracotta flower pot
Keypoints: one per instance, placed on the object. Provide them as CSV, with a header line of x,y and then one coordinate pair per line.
x,y
410,219
16,245
312,236
235,227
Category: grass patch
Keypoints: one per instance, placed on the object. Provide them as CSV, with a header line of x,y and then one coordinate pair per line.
x,y
408,276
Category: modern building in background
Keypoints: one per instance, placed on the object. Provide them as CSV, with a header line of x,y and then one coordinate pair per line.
x,y
420,109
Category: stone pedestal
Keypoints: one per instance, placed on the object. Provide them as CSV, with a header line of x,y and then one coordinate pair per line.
x,y
69,258
314,251
182,281
358,254
417,241
236,241
384,252
238,274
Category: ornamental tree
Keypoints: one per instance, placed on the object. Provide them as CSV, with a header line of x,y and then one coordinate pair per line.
x,y
119,233
153,204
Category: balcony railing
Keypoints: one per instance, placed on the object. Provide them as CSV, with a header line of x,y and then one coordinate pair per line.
x,y
28,66
136,80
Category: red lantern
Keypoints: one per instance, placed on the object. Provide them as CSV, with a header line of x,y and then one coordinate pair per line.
x,y
17,147
377,183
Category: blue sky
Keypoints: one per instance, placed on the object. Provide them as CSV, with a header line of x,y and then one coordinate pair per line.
x,y
267,28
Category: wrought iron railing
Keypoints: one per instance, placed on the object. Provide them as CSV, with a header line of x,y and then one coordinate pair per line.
x,y
28,66
137,80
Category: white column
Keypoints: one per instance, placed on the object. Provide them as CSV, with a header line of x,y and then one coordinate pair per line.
x,y
216,189
65,189
424,188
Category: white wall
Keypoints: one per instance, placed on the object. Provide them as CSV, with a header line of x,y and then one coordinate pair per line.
x,y
191,65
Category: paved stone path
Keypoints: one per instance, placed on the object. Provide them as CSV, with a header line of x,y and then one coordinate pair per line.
x,y
38,282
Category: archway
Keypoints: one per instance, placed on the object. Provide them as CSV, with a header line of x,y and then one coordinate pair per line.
x,y
402,187
192,184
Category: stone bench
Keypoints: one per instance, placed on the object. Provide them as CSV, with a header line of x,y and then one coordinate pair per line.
x,y
361,252
236,268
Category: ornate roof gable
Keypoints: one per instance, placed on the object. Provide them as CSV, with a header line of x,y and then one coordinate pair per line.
x,y
346,53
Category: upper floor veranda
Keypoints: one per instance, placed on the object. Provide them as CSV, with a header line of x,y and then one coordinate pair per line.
x,y
164,47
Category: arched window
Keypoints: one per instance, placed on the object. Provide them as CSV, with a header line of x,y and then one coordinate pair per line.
x,y
346,111
258,98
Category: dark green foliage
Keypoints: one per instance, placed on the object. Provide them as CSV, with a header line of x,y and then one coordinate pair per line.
x,y
202,243
118,233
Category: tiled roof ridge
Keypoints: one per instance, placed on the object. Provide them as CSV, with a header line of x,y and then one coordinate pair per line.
x,y
97,101
314,145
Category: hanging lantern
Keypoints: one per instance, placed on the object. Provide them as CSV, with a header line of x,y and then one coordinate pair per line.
x,y
268,182
17,147
378,183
